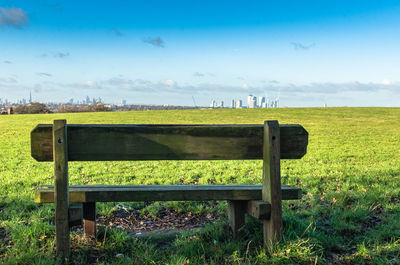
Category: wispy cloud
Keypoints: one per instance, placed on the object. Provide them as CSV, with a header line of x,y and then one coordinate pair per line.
x,y
157,41
44,74
84,85
8,80
198,74
161,86
13,17
56,54
301,47
7,62
61,54
127,84
116,32
270,82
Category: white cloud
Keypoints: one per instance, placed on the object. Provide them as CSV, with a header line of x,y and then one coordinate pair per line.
x,y
121,84
169,83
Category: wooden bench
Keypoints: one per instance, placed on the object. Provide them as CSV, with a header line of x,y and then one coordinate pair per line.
x,y
270,142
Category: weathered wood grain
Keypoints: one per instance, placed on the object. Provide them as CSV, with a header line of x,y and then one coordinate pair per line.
x,y
259,209
61,194
116,193
167,142
271,193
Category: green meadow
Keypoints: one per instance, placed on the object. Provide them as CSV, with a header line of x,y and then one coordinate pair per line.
x,y
349,213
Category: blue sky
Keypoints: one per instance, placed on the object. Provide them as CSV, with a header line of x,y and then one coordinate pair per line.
x,y
343,53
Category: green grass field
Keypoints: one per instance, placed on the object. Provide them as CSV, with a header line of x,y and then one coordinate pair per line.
x,y
350,212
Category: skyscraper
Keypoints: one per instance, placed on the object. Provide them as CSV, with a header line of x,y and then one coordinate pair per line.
x,y
238,104
251,102
261,101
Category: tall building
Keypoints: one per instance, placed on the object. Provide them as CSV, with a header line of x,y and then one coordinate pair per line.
x,y
30,96
272,104
251,102
261,101
238,104
233,103
249,99
221,104
213,104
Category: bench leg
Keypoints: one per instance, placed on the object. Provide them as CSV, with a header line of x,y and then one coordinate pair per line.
x,y
61,194
89,219
272,192
236,211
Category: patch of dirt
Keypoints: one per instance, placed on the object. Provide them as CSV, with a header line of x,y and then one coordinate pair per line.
x,y
136,223
166,219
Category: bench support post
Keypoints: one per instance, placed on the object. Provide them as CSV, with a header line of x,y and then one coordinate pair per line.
x,y
271,190
89,219
236,212
61,194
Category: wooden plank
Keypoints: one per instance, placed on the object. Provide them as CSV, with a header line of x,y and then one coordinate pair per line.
x,y
271,193
259,209
61,194
89,219
115,193
167,142
236,212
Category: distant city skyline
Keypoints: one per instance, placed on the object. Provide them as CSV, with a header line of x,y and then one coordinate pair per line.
x,y
252,102
341,53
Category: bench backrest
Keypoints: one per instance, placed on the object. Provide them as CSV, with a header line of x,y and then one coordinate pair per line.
x,y
166,142
271,142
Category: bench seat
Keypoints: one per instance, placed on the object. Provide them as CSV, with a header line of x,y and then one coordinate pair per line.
x,y
126,193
